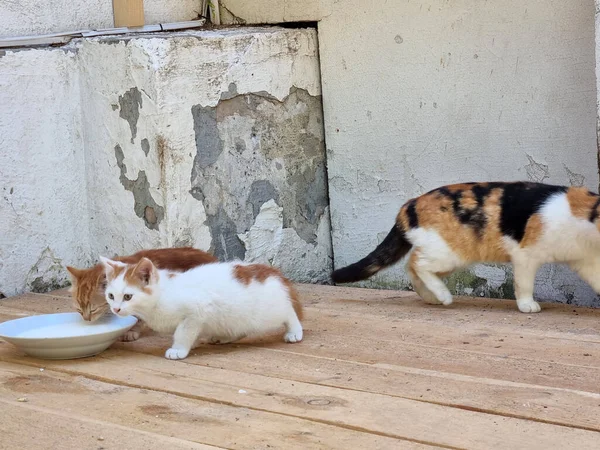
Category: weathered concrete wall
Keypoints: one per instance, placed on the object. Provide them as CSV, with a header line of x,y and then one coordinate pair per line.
x,y
454,91
201,131
210,139
43,207
32,17
421,94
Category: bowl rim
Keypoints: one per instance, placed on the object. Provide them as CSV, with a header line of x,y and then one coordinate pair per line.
x,y
131,321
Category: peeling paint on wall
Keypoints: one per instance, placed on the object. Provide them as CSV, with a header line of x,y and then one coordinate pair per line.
x,y
251,149
575,179
144,205
130,103
145,146
47,274
536,171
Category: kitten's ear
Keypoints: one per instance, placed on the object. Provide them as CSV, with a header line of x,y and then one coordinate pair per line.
x,y
110,266
74,273
145,271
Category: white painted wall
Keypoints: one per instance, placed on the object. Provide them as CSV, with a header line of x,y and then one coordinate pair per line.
x,y
32,17
419,95
65,109
43,205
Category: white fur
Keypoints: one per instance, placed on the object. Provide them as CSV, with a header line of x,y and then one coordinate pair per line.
x,y
565,239
434,256
206,302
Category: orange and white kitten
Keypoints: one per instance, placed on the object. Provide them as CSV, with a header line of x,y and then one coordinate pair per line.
x,y
527,224
219,302
88,285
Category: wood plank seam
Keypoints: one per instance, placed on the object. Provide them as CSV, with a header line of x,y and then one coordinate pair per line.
x,y
64,415
229,403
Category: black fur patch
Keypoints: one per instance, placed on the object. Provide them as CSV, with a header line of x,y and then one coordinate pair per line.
x,y
519,202
411,212
472,217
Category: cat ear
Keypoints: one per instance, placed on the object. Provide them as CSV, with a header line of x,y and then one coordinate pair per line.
x,y
74,273
145,271
110,266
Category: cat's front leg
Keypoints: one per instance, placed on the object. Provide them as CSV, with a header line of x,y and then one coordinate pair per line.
x,y
134,333
524,272
183,340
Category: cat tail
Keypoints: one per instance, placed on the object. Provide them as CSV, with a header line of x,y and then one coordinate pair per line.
x,y
390,251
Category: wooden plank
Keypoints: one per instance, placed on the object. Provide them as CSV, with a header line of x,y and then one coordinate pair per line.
x,y
30,427
559,363
527,401
169,415
128,13
374,413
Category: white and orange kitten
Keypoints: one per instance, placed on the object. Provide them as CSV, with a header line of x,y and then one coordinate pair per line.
x,y
219,302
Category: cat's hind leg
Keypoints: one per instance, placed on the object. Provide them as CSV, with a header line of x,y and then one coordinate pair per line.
x,y
589,271
185,337
293,328
423,274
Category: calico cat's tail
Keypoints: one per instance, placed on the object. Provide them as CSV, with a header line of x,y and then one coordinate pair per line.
x,y
390,251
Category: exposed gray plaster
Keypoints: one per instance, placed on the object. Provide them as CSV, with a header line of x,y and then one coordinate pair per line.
x,y
130,103
261,191
209,144
145,146
536,171
272,149
144,205
226,245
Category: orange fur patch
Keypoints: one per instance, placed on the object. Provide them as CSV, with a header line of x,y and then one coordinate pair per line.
x,y
436,211
245,274
581,202
88,283
533,231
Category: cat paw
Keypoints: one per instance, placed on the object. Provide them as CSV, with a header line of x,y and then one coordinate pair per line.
x,y
176,353
219,340
445,299
293,336
529,307
130,336
431,300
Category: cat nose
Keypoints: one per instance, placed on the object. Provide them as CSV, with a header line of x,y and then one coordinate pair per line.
x,y
116,310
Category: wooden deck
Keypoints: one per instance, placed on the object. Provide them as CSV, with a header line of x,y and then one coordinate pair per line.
x,y
377,370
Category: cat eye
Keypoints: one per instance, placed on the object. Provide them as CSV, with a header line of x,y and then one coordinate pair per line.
x,y
127,297
112,297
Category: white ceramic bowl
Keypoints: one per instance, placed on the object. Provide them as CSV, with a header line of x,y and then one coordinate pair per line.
x,y
65,335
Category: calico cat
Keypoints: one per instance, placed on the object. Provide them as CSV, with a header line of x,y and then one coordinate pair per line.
x,y
527,224
88,285
218,302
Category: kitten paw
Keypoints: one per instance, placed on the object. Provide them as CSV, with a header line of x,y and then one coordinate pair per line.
x,y
293,336
529,307
130,336
176,353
